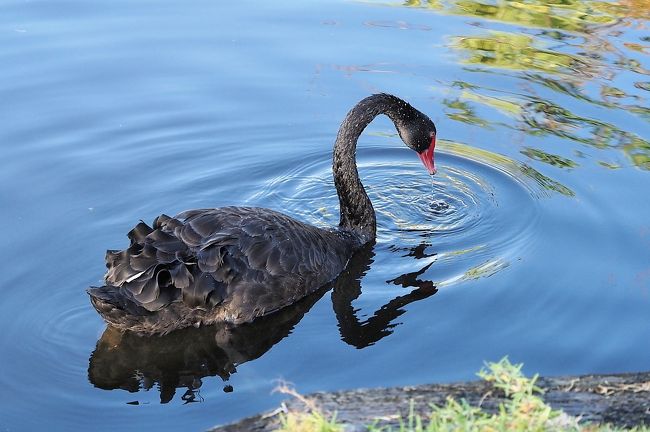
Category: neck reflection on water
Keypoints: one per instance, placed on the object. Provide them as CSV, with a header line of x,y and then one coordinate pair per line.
x,y
181,359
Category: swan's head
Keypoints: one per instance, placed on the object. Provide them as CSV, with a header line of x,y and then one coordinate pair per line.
x,y
419,134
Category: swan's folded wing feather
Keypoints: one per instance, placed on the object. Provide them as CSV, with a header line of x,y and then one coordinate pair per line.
x,y
139,233
144,259
258,254
181,276
273,263
210,259
206,290
189,235
119,267
254,259
149,292
164,241
164,298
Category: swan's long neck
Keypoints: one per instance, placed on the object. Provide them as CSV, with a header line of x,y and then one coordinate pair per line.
x,y
357,213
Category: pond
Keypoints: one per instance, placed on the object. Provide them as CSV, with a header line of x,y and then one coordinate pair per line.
x,y
532,241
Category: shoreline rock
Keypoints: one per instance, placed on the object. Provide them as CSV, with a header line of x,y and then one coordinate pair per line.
x,y
619,399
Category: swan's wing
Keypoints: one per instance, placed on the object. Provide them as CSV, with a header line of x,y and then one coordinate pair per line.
x,y
250,260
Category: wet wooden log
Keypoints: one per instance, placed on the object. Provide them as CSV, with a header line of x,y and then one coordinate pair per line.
x,y
620,399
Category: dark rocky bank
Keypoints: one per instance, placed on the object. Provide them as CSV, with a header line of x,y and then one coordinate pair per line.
x,y
619,399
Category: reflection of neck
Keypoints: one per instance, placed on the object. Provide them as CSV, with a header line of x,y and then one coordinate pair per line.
x,y
347,288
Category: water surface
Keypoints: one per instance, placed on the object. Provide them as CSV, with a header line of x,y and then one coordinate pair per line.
x,y
532,241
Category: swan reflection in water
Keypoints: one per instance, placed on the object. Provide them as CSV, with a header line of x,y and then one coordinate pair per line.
x,y
181,359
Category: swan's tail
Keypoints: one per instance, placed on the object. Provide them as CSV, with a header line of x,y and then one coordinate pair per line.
x,y
120,312
115,308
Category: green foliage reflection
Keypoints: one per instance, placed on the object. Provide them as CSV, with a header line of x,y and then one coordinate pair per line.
x,y
515,51
548,158
568,15
573,48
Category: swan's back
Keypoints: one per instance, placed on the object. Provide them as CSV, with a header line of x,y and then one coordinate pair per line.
x,y
228,264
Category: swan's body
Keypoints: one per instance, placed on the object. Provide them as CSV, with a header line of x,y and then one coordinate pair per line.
x,y
235,264
227,264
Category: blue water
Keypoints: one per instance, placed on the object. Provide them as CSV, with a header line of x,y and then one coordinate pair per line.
x,y
533,240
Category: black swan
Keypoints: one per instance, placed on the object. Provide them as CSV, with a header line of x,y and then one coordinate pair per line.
x,y
234,264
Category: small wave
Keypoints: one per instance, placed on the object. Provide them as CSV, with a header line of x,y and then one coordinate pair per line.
x,y
480,208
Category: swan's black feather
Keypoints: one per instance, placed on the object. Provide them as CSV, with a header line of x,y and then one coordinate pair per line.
x,y
138,234
231,264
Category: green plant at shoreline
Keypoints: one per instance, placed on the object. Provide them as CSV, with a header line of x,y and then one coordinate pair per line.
x,y
524,410
313,420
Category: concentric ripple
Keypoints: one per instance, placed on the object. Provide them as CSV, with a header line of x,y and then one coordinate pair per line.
x,y
474,217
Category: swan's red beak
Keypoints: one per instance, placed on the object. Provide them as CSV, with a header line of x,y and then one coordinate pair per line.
x,y
427,157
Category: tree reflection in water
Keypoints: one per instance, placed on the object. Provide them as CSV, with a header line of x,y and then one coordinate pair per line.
x,y
183,358
577,48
